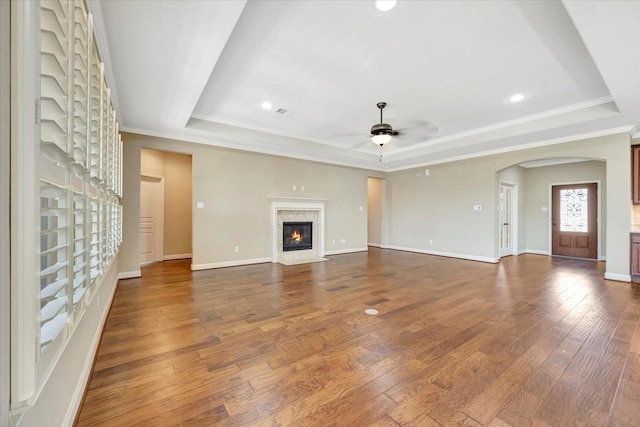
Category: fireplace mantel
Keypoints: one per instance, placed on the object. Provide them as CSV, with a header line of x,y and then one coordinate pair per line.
x,y
295,204
294,200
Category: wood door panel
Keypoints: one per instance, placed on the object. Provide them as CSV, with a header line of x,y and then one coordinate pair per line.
x,y
580,244
565,241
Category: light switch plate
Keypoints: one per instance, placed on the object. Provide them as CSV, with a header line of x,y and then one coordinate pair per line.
x,y
477,207
200,205
544,209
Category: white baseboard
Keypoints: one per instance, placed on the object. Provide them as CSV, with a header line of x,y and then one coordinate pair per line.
x,y
129,274
375,245
234,263
535,252
345,251
618,277
445,254
176,256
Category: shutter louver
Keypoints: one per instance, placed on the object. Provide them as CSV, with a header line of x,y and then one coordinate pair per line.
x,y
53,261
54,80
81,85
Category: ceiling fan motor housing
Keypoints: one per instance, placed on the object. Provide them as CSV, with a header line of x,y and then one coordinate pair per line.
x,y
382,129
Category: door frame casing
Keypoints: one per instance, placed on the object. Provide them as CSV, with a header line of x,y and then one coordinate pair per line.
x,y
514,218
598,183
159,232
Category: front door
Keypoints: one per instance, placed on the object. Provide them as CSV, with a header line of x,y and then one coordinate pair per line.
x,y
574,221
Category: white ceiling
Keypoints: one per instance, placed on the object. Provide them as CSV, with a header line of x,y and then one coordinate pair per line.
x,y
199,70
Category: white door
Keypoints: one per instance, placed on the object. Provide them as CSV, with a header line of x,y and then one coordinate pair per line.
x,y
505,218
151,220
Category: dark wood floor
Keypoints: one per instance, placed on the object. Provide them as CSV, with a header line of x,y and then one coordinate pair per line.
x,y
530,341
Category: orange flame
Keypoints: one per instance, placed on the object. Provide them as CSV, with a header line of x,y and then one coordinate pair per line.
x,y
296,236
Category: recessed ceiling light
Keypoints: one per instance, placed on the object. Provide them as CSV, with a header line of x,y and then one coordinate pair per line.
x,y
266,105
516,97
385,5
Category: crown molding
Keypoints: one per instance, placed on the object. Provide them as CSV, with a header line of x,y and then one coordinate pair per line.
x,y
510,123
543,143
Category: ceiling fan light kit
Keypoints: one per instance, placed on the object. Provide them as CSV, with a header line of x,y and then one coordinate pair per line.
x,y
381,138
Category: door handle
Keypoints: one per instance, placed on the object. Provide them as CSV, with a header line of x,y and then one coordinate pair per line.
x,y
505,223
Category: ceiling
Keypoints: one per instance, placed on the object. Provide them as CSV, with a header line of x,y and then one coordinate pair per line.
x,y
200,70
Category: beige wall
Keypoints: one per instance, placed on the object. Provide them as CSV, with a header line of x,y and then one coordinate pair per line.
x,y
440,207
375,187
176,170
234,187
537,195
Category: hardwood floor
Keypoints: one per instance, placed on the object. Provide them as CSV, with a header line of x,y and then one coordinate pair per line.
x,y
530,341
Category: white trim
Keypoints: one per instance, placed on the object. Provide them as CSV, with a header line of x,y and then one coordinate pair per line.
x,y
25,137
375,245
81,385
295,204
5,208
445,254
195,267
346,251
177,256
535,252
618,277
514,122
129,274
216,140
518,147
602,258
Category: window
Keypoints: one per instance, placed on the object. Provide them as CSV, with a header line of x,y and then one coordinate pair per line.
x,y
75,214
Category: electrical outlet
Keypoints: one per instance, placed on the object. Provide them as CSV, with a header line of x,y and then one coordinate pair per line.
x,y
236,249
293,187
430,242
302,188
199,205
343,241
360,208
333,242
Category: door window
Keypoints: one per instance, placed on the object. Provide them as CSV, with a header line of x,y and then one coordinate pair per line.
x,y
574,212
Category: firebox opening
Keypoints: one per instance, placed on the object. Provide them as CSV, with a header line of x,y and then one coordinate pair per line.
x,y
297,236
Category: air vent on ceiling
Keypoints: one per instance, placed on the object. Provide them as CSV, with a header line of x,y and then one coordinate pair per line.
x,y
281,111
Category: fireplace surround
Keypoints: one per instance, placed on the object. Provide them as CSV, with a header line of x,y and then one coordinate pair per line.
x,y
291,209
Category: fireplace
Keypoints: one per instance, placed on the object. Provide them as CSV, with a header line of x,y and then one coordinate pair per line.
x,y
297,236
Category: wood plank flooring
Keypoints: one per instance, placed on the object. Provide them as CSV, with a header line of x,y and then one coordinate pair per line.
x,y
533,340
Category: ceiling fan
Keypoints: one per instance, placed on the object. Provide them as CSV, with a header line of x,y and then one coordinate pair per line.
x,y
381,133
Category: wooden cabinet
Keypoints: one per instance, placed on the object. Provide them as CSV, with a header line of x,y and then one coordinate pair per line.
x,y
635,174
635,257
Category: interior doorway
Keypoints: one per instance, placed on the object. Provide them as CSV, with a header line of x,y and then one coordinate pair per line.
x,y
165,206
574,220
151,219
507,219
375,203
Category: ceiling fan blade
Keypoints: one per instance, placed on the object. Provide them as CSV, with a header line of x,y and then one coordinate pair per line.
x,y
420,127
